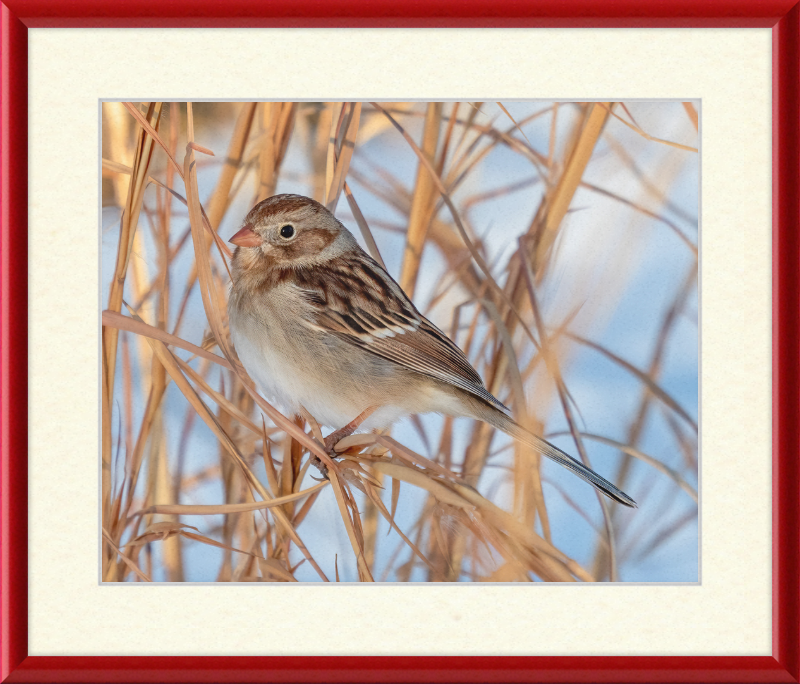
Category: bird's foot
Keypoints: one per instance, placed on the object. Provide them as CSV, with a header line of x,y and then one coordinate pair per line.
x,y
335,437
317,462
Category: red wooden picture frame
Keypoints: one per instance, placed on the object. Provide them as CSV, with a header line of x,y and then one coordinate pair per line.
x,y
16,16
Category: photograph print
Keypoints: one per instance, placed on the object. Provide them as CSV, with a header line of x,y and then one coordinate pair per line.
x,y
399,341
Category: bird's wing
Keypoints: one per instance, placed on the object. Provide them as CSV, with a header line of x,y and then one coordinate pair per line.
x,y
356,300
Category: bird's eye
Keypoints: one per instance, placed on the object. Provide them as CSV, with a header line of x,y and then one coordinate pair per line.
x,y
287,231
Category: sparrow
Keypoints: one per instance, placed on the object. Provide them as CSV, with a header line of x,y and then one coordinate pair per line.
x,y
324,330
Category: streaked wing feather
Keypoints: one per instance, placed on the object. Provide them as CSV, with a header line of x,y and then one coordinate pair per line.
x,y
384,322
402,349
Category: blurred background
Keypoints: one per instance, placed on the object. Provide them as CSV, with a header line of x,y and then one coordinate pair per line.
x,y
576,301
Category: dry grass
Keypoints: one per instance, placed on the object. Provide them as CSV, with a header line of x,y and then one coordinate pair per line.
x,y
442,500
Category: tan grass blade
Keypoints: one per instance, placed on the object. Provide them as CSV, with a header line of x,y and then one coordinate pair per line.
x,y
171,366
218,202
163,531
420,479
135,568
647,135
211,304
656,389
466,498
558,201
270,113
376,499
413,457
145,124
456,219
366,233
219,509
340,151
128,224
181,172
269,465
507,522
116,167
138,326
274,568
514,121
422,202
363,569
395,496
551,148
220,399
691,112
554,369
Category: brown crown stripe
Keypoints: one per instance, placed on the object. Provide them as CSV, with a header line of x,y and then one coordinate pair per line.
x,y
281,205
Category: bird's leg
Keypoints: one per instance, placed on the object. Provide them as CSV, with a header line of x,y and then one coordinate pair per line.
x,y
316,461
332,439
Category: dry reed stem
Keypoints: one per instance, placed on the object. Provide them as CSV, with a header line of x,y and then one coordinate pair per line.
x,y
344,131
218,509
128,562
554,208
133,203
456,218
218,202
644,378
544,227
138,326
211,305
422,202
637,425
647,136
366,233
153,133
691,112
555,371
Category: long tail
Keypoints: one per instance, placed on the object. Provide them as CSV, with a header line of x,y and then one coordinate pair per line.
x,y
501,421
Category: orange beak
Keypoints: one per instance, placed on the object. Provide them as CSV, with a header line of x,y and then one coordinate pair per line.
x,y
246,238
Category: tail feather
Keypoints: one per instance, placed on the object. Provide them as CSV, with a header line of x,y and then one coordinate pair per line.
x,y
510,427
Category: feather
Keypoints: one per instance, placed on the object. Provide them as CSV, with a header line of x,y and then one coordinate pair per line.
x,y
359,302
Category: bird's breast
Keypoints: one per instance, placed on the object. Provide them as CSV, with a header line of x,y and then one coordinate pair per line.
x,y
296,365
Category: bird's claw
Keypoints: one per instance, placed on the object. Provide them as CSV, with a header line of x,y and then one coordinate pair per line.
x,y
335,437
317,462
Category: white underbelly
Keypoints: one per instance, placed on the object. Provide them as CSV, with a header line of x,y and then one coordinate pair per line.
x,y
292,381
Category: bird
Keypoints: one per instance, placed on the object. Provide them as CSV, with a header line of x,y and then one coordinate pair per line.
x,y
323,329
